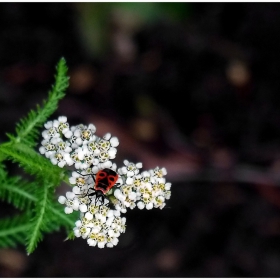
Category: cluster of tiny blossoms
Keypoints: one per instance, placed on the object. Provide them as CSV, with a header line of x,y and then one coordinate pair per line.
x,y
101,221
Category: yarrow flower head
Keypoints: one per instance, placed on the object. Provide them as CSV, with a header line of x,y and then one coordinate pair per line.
x,y
101,192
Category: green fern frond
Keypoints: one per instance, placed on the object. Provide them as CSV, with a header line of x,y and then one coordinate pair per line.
x,y
3,173
48,216
42,212
39,222
17,192
27,129
32,162
13,231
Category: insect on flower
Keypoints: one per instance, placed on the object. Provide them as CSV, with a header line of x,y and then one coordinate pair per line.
x,y
105,180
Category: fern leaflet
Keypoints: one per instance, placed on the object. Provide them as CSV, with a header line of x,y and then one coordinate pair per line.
x,y
27,128
39,222
32,162
13,230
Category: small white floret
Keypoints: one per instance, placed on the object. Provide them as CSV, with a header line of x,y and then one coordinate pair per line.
x,y
101,244
91,242
132,196
129,181
83,208
140,205
114,141
149,206
107,136
70,195
68,210
139,165
88,216
167,186
42,150
62,199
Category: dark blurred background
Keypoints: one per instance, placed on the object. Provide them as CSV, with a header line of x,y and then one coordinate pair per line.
x,y
193,87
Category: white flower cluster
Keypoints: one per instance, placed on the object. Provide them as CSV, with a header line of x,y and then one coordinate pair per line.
x,y
101,192
146,190
100,225
77,145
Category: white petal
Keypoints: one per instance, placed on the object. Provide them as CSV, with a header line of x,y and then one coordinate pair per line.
x,y
62,119
95,229
62,199
53,160
161,180
164,171
115,241
94,169
70,195
75,174
77,133
84,165
129,181
114,141
75,205
102,219
146,174
48,124
117,213
80,154
107,136
112,154
42,150
139,165
124,170
114,167
68,210
140,205
83,208
117,193
91,242
162,205
107,164
92,127
65,130
101,244
78,223
62,163
72,180
88,216
109,221
68,134
77,233
68,150
132,195
76,190
149,206
167,186
130,173
79,141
